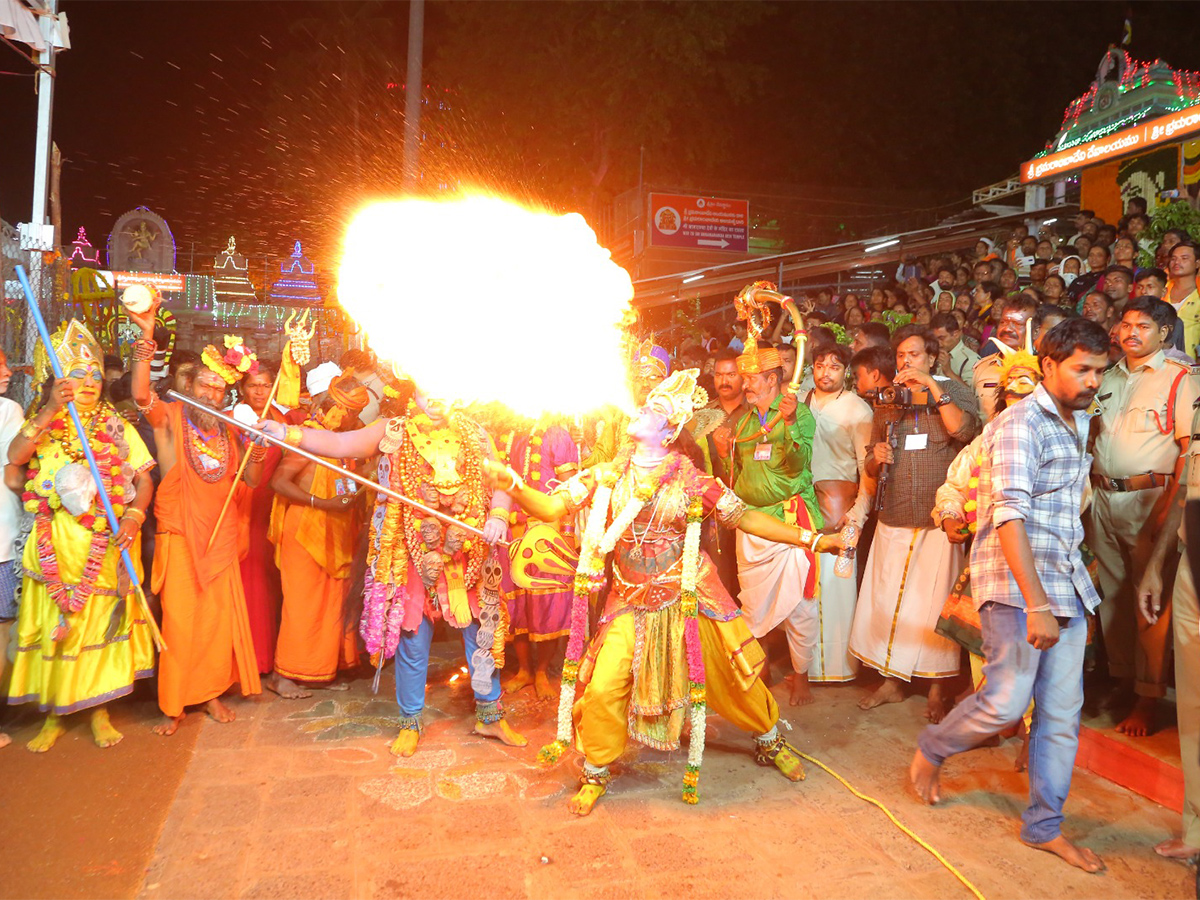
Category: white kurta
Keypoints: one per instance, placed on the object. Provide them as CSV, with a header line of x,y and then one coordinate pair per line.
x,y
910,572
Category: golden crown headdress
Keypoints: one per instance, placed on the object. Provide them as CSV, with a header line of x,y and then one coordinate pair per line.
x,y
74,346
678,397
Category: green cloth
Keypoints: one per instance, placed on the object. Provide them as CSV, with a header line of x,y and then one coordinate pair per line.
x,y
767,485
611,437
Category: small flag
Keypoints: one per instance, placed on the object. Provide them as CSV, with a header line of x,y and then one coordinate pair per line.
x,y
1128,35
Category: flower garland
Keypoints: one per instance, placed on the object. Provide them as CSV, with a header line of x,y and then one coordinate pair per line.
x,y
104,430
196,446
697,693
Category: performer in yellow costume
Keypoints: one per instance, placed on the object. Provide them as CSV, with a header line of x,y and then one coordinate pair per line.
x,y
81,639
671,641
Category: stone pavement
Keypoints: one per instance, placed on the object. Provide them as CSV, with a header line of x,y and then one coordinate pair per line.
x,y
302,799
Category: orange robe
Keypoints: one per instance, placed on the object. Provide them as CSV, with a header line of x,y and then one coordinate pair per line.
x,y
314,550
260,576
205,626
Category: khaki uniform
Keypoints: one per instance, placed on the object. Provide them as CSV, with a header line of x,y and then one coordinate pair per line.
x,y
1138,432
963,361
985,379
1185,615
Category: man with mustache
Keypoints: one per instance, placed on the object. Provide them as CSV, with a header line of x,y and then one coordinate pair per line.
x,y
205,624
1144,428
1031,587
1010,331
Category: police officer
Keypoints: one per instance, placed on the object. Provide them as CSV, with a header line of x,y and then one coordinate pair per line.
x,y
1140,437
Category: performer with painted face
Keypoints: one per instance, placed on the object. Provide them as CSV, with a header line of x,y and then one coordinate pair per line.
x,y
671,641
421,569
81,638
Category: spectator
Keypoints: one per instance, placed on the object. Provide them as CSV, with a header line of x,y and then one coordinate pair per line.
x,y
1098,308
1118,282
871,334
1182,295
872,368
955,359
1151,282
1054,289
1015,312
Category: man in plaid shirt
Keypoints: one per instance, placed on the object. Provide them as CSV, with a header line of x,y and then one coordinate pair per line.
x,y
1031,587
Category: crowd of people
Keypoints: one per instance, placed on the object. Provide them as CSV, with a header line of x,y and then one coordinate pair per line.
x,y
980,468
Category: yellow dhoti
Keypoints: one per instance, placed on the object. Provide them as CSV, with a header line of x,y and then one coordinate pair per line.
x,y
635,689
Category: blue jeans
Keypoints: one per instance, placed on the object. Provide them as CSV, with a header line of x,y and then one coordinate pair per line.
x,y
1016,672
412,667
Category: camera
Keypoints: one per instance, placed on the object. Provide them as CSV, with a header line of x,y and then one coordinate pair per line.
x,y
899,395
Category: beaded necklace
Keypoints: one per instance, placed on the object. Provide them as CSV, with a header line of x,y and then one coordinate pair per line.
x,y
196,445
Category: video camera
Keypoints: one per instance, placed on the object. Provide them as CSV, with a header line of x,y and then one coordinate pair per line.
x,y
899,395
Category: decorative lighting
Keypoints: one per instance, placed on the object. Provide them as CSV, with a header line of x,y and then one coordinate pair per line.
x,y
692,278
888,243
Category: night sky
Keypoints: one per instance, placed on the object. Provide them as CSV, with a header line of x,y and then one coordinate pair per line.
x,y
274,120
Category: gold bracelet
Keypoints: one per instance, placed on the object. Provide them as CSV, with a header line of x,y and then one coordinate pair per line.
x,y
32,430
499,513
293,436
134,513
257,453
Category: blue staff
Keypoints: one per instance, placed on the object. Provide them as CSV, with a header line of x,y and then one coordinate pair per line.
x,y
113,525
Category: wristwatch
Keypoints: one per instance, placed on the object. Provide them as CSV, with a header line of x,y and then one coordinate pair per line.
x,y
944,400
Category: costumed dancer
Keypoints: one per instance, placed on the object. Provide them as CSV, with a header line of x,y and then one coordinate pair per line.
x,y
81,639
541,616
205,625
671,641
420,570
649,365
315,527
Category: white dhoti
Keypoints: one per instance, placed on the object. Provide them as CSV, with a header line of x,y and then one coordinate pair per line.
x,y
910,572
836,596
772,578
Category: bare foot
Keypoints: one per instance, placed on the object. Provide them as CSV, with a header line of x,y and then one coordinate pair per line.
x,y
1177,849
51,731
544,687
169,725
501,731
285,687
1141,719
334,686
935,706
583,802
1080,857
924,777
888,692
801,694
219,711
103,732
405,743
5,740
518,682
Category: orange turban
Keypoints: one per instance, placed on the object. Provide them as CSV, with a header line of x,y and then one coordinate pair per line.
x,y
764,360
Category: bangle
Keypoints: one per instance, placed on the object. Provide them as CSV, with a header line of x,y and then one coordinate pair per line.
x,y
133,512
293,436
498,513
149,406
257,452
816,540
1045,607
518,483
32,430
143,350
312,500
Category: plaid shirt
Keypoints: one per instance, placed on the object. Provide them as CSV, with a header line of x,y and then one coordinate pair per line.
x,y
1033,469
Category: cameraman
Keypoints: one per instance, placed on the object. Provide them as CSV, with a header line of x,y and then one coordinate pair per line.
x,y
912,565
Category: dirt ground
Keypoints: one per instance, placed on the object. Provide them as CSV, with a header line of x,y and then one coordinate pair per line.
x,y
301,799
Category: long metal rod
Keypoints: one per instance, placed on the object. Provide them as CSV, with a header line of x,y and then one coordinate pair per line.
x,y
321,461
113,524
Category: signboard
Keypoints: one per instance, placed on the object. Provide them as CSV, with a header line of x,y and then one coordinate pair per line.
x,y
162,282
699,223
1154,131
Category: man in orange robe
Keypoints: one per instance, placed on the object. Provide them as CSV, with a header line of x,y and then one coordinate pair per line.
x,y
205,627
315,525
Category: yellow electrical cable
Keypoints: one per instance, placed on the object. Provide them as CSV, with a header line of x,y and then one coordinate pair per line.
x,y
887,812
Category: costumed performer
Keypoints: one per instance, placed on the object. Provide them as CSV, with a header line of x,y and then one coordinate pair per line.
x,y
209,647
81,638
315,527
671,641
544,456
420,570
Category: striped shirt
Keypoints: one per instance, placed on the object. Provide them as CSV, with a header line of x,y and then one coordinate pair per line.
x,y
1034,468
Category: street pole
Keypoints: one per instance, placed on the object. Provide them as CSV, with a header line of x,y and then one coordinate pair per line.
x,y
413,94
45,91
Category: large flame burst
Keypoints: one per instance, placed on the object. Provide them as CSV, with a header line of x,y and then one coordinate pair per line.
x,y
480,299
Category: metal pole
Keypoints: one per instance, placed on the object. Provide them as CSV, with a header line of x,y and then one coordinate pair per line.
x,y
413,94
321,461
113,525
45,89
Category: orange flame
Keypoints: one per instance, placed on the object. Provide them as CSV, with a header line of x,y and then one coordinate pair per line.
x,y
481,299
